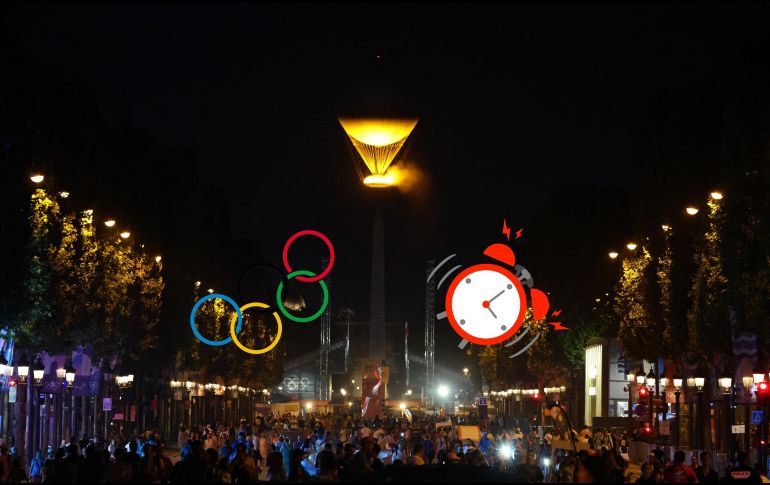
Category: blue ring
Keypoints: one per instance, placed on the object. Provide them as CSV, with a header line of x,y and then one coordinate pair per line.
x,y
215,343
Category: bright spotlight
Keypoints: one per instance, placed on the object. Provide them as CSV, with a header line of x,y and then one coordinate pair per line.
x,y
402,406
443,391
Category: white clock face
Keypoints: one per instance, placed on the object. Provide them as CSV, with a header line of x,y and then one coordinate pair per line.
x,y
485,304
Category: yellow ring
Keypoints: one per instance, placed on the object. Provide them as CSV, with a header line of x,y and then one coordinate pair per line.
x,y
243,347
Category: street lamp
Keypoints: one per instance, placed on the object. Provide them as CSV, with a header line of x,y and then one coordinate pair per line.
x,y
716,195
37,178
69,374
726,383
699,383
677,394
125,234
613,254
109,222
631,246
23,368
38,370
692,210
650,381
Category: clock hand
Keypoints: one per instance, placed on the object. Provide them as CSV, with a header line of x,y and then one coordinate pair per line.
x,y
493,298
490,311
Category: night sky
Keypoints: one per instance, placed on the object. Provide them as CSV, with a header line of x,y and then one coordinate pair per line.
x,y
515,102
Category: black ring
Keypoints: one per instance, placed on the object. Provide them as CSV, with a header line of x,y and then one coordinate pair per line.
x,y
270,308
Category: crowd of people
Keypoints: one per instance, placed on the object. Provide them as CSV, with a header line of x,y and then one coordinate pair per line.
x,y
346,448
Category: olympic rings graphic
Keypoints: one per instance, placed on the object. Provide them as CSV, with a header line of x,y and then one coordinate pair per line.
x,y
309,232
270,347
299,273
236,321
200,302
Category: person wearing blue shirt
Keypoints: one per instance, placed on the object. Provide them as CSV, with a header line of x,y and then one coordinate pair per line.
x,y
484,443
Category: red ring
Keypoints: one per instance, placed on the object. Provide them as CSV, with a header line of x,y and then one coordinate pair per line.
x,y
309,232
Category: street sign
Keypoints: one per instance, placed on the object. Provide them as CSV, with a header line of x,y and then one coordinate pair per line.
x,y
739,428
107,404
757,416
481,401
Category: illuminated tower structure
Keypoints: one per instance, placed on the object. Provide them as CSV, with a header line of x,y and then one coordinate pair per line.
x,y
430,328
324,381
377,343
377,141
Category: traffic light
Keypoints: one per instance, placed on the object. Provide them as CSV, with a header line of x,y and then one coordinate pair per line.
x,y
647,429
642,392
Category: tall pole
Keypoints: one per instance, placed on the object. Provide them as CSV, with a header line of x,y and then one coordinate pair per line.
x,y
701,419
677,394
377,314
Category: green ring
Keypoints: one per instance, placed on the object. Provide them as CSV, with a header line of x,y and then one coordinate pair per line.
x,y
282,309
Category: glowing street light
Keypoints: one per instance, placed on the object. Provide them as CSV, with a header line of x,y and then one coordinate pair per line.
x,y
125,234
308,406
37,178
402,406
343,392
613,254
158,258
408,392
716,195
692,210
109,222
631,246
64,194
210,290
665,227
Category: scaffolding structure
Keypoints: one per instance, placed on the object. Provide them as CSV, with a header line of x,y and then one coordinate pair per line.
x,y
430,331
324,380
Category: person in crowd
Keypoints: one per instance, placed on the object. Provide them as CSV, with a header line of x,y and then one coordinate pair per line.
x,y
36,468
743,472
418,455
705,472
678,472
275,468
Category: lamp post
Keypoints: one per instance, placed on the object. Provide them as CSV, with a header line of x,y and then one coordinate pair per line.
x,y
22,368
663,384
677,393
125,381
5,374
109,377
748,383
651,378
726,383
38,371
759,381
630,378
699,383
